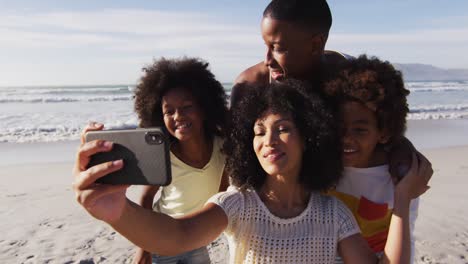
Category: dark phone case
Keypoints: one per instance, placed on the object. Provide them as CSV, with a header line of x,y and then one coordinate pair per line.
x,y
145,162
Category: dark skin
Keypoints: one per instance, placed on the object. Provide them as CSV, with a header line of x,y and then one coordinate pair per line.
x,y
295,52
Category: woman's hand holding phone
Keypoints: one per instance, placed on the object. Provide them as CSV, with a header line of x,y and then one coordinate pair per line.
x,y
104,202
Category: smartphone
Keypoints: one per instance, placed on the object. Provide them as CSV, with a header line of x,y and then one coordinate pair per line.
x,y
144,151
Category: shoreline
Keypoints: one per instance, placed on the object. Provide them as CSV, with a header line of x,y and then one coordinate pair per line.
x,y
424,134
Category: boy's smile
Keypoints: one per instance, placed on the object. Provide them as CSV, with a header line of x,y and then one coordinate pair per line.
x,y
361,135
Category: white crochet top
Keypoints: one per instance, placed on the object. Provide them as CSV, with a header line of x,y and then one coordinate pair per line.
x,y
255,235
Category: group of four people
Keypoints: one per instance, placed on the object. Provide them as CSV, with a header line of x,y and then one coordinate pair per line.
x,y
294,121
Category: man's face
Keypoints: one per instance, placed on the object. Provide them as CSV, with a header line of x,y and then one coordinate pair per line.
x,y
291,50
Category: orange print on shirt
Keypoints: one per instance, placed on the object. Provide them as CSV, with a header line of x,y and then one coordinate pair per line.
x,y
372,218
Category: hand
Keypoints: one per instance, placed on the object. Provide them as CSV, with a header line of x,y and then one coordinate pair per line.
x,y
400,159
102,201
142,257
415,182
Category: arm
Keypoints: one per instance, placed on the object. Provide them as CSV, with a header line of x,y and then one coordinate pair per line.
x,y
146,201
354,249
156,232
414,183
149,230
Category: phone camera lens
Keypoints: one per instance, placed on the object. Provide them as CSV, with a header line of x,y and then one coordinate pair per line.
x,y
154,138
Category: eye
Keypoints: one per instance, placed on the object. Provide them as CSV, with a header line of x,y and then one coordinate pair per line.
x,y
360,130
280,50
259,132
283,129
168,112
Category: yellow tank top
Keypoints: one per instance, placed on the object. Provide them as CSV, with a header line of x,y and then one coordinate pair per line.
x,y
191,187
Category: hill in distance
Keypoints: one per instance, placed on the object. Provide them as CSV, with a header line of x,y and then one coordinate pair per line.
x,y
425,72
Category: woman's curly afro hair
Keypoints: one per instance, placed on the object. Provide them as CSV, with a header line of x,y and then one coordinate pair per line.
x,y
188,73
378,86
321,161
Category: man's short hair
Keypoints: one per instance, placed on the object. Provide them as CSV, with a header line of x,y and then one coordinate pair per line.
x,y
314,15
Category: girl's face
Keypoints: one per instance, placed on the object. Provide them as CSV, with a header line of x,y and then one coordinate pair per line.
x,y
278,144
360,135
183,117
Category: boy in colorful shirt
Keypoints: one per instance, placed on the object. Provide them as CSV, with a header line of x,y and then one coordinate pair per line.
x,y
371,101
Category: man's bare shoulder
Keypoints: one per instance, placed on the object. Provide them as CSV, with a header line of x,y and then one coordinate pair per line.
x,y
256,74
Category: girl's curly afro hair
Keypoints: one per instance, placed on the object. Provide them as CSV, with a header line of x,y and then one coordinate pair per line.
x,y
378,86
321,161
188,73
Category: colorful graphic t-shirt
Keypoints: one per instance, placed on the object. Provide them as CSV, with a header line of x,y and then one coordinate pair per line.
x,y
368,193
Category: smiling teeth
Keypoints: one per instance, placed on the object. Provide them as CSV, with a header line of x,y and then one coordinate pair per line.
x,y
183,126
348,150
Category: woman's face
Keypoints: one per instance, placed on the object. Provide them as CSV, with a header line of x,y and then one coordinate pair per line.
x,y
182,116
278,144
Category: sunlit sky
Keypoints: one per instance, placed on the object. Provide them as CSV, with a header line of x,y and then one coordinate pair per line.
x,y
108,42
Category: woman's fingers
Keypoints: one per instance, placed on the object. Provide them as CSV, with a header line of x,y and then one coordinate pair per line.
x,y
85,179
88,149
91,126
88,197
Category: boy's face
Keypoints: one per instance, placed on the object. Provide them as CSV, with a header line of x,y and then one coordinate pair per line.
x,y
361,136
291,50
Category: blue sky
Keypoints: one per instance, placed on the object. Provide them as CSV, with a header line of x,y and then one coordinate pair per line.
x,y
108,42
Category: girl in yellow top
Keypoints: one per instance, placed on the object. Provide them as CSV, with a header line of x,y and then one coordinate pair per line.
x,y
183,96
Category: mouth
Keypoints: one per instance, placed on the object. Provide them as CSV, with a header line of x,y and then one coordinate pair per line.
x,y
183,126
349,151
273,155
277,75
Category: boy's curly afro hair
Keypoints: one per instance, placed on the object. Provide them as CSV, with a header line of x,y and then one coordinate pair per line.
x,y
188,73
378,86
321,161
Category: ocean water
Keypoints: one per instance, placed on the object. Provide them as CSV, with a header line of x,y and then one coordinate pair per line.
x,y
45,114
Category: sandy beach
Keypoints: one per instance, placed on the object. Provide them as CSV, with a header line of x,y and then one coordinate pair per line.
x,y
42,223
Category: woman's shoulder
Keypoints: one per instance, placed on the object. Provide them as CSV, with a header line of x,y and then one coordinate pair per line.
x,y
325,203
231,195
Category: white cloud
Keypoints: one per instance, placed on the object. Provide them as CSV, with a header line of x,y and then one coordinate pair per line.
x,y
111,38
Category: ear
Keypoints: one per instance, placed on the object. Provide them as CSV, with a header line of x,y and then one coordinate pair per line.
x,y
323,40
318,42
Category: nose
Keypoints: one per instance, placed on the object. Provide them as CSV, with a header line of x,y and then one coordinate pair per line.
x,y
346,134
178,114
268,57
271,139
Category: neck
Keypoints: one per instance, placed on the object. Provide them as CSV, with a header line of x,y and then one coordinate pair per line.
x,y
283,197
196,152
